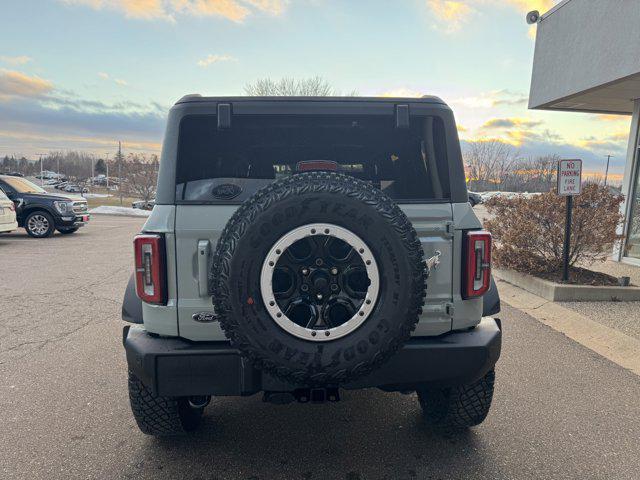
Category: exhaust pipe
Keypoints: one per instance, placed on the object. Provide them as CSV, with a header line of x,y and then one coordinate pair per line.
x,y
199,401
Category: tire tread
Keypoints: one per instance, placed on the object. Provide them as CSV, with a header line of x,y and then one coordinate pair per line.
x,y
315,182
460,407
157,415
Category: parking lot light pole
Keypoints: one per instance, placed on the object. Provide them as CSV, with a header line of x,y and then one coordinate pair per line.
x,y
606,173
106,161
41,169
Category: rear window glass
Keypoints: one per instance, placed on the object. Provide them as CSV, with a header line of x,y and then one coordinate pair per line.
x,y
228,166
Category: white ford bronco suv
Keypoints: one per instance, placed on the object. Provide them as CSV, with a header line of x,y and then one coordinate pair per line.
x,y
301,246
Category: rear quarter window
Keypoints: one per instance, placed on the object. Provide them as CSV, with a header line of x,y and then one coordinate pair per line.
x,y
228,166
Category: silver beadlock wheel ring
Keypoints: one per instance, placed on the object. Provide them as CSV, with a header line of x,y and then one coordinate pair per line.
x,y
363,310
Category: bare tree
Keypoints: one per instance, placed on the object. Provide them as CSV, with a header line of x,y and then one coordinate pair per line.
x,y
534,174
489,163
288,86
139,176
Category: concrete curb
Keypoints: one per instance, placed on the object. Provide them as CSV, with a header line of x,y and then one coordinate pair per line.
x,y
611,344
556,292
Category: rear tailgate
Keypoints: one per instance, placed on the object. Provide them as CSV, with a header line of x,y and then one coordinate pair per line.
x,y
199,226
197,230
434,225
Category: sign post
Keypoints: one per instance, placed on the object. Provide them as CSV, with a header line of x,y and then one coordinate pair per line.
x,y
569,185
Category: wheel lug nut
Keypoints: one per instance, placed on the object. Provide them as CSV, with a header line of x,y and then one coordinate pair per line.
x,y
319,296
305,271
334,271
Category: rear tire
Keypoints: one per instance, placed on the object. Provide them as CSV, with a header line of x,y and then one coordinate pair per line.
x,y
458,408
161,416
39,224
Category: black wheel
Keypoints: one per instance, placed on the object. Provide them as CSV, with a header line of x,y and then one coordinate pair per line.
x,y
39,224
161,416
68,231
457,408
318,278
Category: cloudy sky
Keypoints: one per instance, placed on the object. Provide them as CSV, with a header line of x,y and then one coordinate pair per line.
x,y
83,74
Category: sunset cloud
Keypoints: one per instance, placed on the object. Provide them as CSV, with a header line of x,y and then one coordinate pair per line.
x,y
211,59
16,84
506,123
18,60
453,14
491,99
234,10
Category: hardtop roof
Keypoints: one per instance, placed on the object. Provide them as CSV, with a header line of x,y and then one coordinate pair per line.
x,y
197,98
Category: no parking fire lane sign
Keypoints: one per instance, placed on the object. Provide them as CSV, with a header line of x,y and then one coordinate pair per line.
x,y
569,177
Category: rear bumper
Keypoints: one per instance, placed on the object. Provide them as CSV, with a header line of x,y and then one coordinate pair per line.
x,y
8,227
176,367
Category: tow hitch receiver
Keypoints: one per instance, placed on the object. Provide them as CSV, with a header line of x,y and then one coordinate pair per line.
x,y
303,395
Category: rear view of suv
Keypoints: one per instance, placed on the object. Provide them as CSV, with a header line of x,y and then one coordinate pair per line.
x,y
302,246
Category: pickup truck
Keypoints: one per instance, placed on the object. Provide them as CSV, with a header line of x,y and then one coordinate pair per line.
x,y
42,213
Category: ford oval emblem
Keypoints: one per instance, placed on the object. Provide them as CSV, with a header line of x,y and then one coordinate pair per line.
x,y
204,317
226,191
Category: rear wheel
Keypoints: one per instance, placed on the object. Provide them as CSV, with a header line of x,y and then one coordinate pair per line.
x,y
457,408
68,231
162,416
39,224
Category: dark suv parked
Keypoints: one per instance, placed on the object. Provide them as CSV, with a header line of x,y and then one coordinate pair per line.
x,y
41,212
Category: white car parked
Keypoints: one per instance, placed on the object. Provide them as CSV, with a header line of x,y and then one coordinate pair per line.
x,y
8,221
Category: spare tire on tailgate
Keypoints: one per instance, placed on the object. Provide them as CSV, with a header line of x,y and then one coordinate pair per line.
x,y
318,278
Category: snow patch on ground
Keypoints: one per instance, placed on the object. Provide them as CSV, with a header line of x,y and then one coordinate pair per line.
x,y
111,210
96,195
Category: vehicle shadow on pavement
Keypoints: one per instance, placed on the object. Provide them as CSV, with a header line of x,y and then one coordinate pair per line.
x,y
370,434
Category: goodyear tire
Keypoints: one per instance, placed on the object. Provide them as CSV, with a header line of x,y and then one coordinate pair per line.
x,y
457,408
318,279
161,416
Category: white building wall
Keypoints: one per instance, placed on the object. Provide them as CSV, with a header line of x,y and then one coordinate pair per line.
x,y
629,181
584,44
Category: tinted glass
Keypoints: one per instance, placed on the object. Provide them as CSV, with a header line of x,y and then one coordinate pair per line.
x,y
228,166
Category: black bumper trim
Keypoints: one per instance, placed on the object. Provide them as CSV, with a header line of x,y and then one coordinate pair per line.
x,y
177,367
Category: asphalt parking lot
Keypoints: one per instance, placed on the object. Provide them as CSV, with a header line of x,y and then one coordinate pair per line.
x,y
560,410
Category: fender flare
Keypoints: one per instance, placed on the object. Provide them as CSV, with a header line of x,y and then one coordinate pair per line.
x,y
131,304
491,300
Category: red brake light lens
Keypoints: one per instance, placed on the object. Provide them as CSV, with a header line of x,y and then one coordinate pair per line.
x,y
151,282
317,165
477,265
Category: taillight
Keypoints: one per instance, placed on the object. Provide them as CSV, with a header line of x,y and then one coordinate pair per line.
x,y
151,280
317,165
477,265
